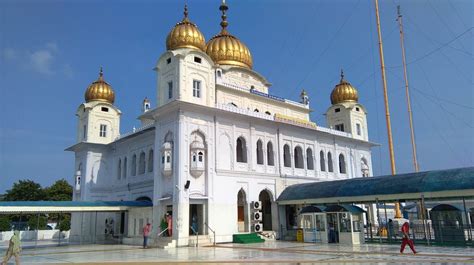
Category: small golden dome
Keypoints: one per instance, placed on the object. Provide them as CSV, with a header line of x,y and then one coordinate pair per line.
x,y
185,35
344,92
100,91
226,49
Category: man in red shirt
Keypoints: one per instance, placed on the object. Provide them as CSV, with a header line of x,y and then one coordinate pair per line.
x,y
146,233
406,238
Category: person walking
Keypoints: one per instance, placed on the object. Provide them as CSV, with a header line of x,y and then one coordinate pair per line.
x,y
406,239
14,249
146,233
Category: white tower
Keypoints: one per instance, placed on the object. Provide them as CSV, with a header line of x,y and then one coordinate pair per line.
x,y
99,119
345,113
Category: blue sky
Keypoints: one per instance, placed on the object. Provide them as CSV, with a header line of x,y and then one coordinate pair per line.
x,y
50,51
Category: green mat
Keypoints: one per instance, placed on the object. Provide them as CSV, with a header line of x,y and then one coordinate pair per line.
x,y
247,238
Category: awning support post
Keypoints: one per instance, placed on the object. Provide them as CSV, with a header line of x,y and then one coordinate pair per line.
x,y
424,219
37,228
469,225
59,228
386,221
378,219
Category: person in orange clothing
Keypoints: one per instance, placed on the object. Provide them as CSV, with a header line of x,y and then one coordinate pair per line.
x,y
406,238
169,220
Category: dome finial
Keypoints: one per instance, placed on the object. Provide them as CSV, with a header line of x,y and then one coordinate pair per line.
x,y
185,13
101,74
223,8
342,74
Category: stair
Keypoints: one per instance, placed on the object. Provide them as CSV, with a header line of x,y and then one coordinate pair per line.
x,y
202,240
247,238
163,242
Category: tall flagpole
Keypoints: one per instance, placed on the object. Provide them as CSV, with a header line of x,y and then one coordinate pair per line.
x,y
398,214
407,91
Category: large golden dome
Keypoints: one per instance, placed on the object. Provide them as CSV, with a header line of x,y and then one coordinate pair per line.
x,y
185,35
226,49
344,92
100,91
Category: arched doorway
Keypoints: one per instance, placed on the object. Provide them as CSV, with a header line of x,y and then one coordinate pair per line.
x,y
266,200
242,209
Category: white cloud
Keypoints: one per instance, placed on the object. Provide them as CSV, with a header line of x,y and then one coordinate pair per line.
x,y
43,60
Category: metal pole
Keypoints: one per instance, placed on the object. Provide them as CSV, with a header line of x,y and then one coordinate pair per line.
x,y
467,220
387,110
37,228
407,92
424,219
81,232
378,219
95,229
386,221
59,228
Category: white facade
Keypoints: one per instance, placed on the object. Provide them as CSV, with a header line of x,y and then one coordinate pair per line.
x,y
216,141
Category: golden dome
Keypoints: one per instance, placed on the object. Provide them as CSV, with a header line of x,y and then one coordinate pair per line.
x,y
226,49
100,91
344,92
185,35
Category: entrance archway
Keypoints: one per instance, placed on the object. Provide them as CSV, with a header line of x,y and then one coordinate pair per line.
x,y
242,209
265,198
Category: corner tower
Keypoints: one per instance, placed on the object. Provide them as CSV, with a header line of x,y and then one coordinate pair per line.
x,y
99,119
345,113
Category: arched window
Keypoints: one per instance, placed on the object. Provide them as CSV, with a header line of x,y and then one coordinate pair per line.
x,y
256,110
330,165
134,166
270,160
259,152
124,174
299,163
322,163
141,164
364,167
268,113
342,164
286,156
241,150
150,160
309,159
194,157
200,156
119,169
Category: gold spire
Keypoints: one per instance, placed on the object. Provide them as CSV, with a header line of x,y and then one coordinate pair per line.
x,y
185,34
226,49
344,92
100,90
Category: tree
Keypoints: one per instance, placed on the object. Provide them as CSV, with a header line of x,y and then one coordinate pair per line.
x,y
25,190
59,191
65,224
5,223
33,222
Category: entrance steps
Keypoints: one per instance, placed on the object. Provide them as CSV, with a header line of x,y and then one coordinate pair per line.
x,y
247,238
163,242
201,240
268,235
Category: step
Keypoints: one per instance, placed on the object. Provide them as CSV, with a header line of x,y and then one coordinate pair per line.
x,y
247,238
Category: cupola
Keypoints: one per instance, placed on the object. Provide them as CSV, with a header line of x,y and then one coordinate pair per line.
x,y
185,34
226,49
344,92
100,91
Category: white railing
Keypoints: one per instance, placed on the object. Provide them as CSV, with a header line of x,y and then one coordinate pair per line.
x,y
219,81
247,112
135,131
335,132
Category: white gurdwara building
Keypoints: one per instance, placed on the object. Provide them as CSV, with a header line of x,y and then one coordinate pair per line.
x,y
216,141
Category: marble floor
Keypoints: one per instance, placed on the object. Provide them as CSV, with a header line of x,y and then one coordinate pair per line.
x,y
270,252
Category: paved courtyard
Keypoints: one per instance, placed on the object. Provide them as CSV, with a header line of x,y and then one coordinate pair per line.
x,y
263,253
